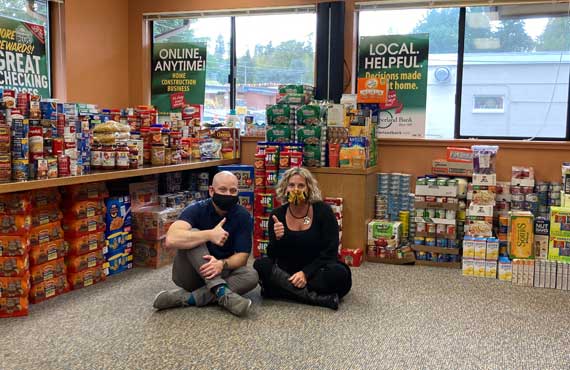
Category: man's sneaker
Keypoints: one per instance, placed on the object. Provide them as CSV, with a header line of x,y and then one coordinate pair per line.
x,y
171,298
235,303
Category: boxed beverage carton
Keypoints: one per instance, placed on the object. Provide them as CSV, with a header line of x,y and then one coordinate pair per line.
x,y
521,234
152,253
492,253
505,272
384,233
479,268
541,237
479,248
468,247
468,266
559,275
491,269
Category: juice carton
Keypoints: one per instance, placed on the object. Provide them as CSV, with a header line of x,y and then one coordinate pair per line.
x,y
479,268
468,248
492,253
468,266
480,247
505,269
491,269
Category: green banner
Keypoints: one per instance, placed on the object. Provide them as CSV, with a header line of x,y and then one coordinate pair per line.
x,y
23,61
178,75
403,60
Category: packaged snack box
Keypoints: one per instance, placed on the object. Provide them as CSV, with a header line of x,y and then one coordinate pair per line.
x,y
541,237
85,261
49,289
12,307
47,271
86,278
152,223
384,233
46,233
521,234
47,252
13,266
152,254
86,243
15,286
13,245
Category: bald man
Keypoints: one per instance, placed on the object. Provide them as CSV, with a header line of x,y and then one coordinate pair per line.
x,y
213,242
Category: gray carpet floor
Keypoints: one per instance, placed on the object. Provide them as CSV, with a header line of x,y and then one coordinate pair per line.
x,y
395,317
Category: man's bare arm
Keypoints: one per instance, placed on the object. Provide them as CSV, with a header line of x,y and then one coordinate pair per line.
x,y
237,260
181,236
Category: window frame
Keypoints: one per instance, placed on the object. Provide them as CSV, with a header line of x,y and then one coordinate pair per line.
x,y
393,5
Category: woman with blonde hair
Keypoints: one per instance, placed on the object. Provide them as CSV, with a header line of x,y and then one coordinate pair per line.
x,y
301,262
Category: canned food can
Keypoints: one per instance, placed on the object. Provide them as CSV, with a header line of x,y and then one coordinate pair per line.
x,y
516,190
555,187
371,251
441,228
442,243
421,181
421,227
441,200
518,198
542,187
163,200
63,165
420,212
451,243
430,242
430,199
533,198
555,195
450,229
430,228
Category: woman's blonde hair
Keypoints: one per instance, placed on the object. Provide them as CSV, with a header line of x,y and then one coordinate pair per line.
x,y
313,192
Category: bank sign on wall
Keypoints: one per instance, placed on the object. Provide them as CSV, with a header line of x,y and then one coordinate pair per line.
x,y
403,61
23,61
178,75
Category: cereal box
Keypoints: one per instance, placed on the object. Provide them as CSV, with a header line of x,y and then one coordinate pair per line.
x,y
521,234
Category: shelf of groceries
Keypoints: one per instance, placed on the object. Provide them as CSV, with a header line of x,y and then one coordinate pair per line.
x,y
96,176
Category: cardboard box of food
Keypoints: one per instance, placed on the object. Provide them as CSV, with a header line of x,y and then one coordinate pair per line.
x,y
152,253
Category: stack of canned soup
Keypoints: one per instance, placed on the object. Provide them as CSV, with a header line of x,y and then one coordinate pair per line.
x,y
548,195
394,202
431,233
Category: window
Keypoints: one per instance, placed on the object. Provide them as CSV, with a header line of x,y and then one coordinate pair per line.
x,y
36,12
488,104
442,26
272,47
518,66
216,33
281,54
512,76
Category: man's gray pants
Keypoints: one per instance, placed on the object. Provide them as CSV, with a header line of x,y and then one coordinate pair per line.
x,y
187,263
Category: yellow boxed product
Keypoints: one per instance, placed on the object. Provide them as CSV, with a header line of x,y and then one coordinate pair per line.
x,y
479,249
492,253
479,268
468,267
491,269
468,247
505,269
521,234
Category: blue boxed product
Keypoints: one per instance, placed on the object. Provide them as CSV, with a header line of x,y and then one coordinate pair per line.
x,y
116,242
244,174
119,262
116,215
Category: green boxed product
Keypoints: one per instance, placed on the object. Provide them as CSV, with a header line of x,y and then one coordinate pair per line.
x,y
279,134
295,99
312,155
278,114
291,89
309,135
309,115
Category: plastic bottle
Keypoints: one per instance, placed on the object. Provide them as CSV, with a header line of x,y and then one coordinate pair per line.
x,y
232,120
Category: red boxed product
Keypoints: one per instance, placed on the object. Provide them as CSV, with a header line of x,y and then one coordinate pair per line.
x,y
15,286
352,257
462,155
15,203
47,252
46,215
12,307
85,261
84,226
84,208
86,243
49,289
46,233
152,253
47,271
86,278
15,224
14,245
13,266
94,190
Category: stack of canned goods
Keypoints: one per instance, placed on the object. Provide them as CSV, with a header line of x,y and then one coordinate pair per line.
x,y
393,191
181,199
437,257
548,194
